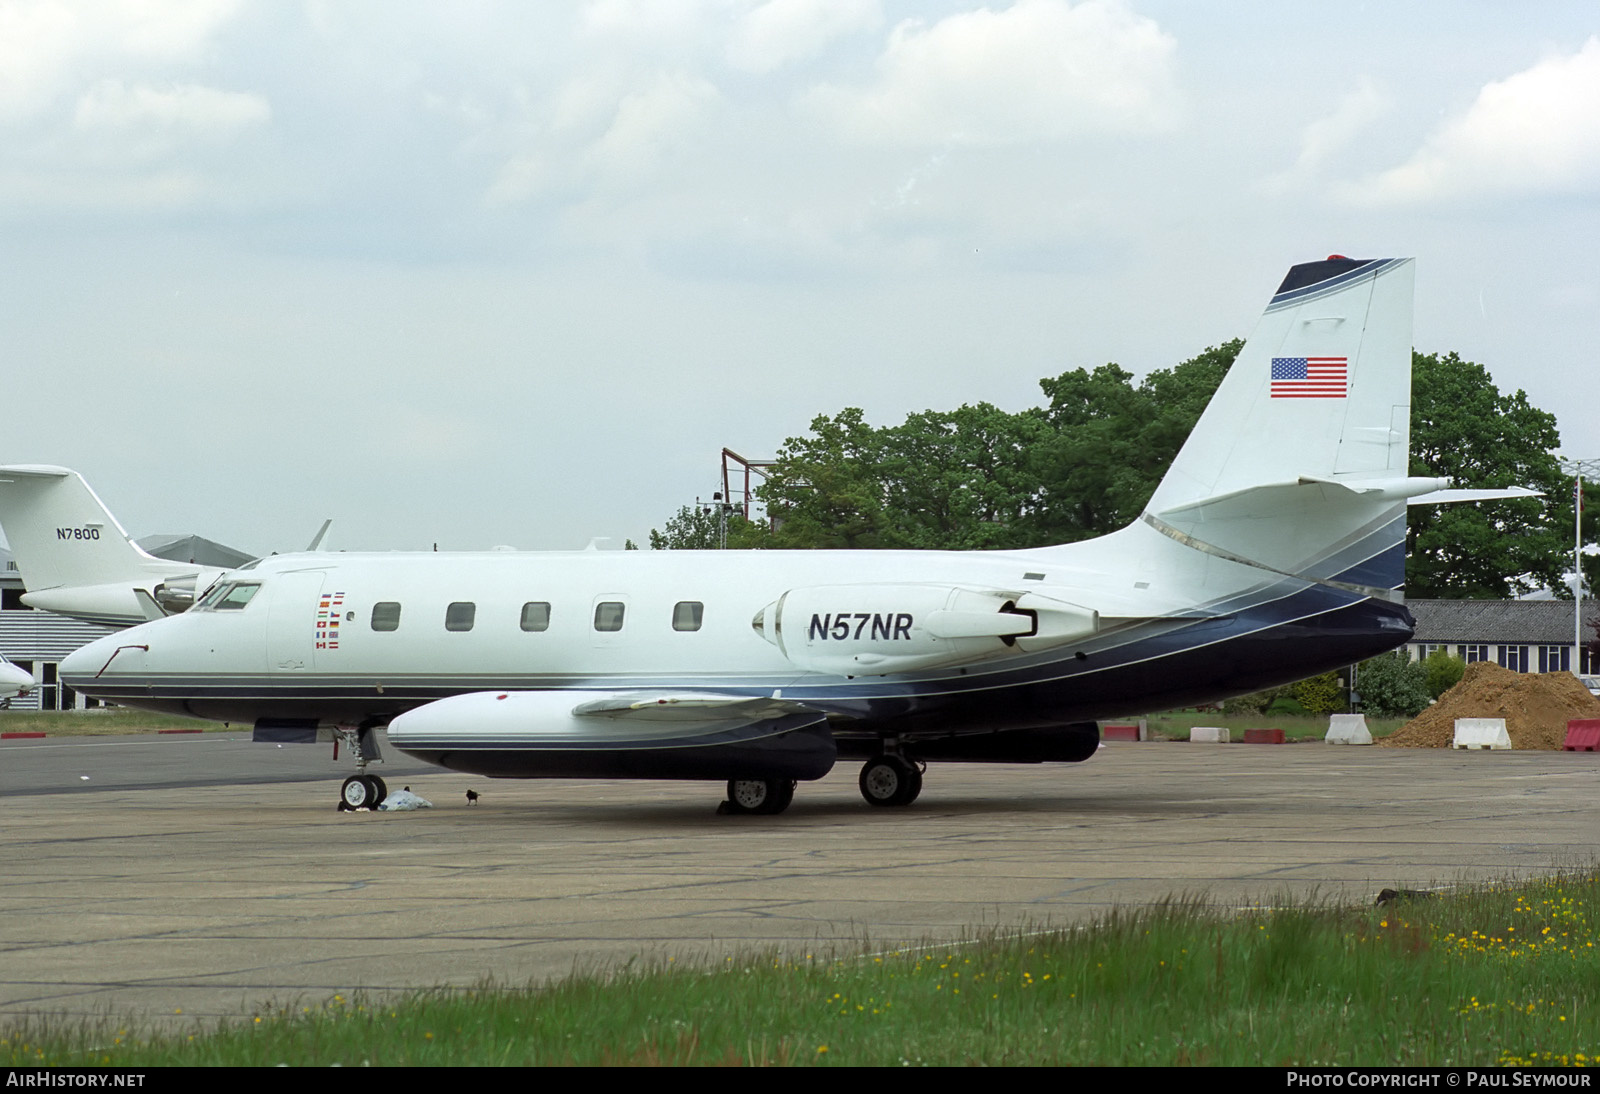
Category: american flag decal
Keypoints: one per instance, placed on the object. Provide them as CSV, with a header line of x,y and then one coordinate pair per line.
x,y
1309,377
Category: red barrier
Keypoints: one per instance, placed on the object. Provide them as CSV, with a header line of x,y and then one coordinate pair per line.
x,y
1583,735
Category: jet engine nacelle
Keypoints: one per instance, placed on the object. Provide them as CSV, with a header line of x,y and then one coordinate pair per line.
x,y
178,594
876,630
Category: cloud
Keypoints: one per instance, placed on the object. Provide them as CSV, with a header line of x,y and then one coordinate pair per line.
x,y
781,32
1039,70
110,104
1537,132
642,130
47,45
1325,138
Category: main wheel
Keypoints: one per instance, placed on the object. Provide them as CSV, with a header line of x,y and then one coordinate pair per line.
x,y
890,780
382,790
359,792
762,796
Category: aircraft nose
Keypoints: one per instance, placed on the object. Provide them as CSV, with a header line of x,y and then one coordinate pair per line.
x,y
83,667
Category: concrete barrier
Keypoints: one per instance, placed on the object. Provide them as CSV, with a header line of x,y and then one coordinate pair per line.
x,y
1348,729
1213,735
1481,733
1583,735
1263,736
1120,733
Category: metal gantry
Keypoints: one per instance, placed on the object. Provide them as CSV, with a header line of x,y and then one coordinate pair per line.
x,y
1578,469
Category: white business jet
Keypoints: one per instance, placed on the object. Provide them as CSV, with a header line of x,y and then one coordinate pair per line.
x,y
76,560
14,681
1271,551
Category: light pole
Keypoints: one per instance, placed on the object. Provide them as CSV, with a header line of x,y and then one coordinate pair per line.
x,y
1578,469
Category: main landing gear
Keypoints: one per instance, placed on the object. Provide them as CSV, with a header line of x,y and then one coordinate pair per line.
x,y
764,797
890,779
887,779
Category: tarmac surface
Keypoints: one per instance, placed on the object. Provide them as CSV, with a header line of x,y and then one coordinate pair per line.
x,y
192,878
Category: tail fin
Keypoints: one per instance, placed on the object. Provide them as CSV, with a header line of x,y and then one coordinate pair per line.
x,y
1299,463
62,534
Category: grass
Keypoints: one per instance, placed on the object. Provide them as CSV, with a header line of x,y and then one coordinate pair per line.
x,y
1506,975
1174,725
107,722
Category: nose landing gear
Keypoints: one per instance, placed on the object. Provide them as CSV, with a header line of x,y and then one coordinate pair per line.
x,y
360,791
890,779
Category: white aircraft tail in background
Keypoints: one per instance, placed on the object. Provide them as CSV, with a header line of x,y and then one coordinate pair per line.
x,y
76,560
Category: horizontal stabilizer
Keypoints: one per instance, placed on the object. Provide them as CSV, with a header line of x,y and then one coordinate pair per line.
x,y
1444,497
1269,498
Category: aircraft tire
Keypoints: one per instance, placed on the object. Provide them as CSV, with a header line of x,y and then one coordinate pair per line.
x,y
381,787
890,780
765,797
359,792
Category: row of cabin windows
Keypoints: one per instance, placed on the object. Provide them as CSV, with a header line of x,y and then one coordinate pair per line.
x,y
608,615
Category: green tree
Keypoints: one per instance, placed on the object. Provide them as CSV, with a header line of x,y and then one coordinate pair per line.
x,y
827,489
1464,428
698,528
979,477
1110,442
1392,685
1321,694
1441,672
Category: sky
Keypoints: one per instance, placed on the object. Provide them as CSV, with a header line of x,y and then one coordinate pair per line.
x,y
505,273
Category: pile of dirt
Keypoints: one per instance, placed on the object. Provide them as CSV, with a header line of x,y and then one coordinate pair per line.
x,y
1536,707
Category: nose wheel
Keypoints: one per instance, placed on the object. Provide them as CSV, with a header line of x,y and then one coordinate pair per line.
x,y
362,792
890,780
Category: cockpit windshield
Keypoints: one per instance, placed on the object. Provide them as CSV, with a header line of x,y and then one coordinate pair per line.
x,y
227,596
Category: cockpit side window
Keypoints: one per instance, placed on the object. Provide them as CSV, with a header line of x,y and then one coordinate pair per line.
x,y
235,596
213,594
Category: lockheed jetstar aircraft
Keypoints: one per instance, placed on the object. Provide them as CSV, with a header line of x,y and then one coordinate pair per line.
x,y
1271,551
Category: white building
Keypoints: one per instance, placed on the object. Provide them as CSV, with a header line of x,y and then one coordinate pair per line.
x,y
1521,635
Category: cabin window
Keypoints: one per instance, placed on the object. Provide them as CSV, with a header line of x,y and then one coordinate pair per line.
x,y
686,615
459,615
386,615
608,615
536,615
235,597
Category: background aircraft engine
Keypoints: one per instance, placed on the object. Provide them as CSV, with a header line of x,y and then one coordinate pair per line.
x,y
875,630
177,594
